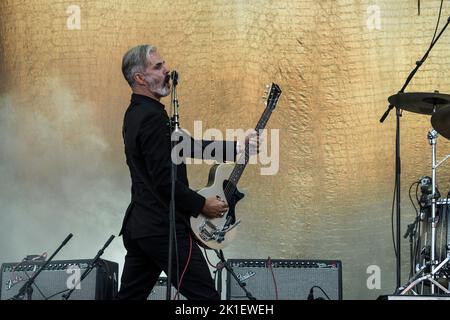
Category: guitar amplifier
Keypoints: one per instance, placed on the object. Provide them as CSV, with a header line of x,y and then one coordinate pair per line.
x,y
290,279
59,277
159,291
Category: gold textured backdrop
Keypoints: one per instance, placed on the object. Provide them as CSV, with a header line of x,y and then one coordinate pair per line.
x,y
63,98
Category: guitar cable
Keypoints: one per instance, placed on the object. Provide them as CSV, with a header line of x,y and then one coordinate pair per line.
x,y
209,262
218,267
414,230
177,294
269,265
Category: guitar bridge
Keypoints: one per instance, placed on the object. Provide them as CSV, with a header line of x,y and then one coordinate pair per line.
x,y
209,231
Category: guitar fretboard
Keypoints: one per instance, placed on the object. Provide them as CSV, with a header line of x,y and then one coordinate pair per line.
x,y
243,160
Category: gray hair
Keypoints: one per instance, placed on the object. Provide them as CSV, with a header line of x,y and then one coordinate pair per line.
x,y
135,60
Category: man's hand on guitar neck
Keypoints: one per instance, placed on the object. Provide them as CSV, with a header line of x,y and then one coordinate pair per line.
x,y
214,207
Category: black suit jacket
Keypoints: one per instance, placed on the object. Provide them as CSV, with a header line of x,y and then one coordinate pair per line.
x,y
146,134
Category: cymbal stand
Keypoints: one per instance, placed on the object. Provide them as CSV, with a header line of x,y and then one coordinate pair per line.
x,y
432,137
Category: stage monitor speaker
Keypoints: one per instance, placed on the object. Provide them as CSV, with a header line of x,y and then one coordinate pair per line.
x,y
291,279
159,291
58,277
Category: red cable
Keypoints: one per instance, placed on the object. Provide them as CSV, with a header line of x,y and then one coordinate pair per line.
x,y
273,277
185,268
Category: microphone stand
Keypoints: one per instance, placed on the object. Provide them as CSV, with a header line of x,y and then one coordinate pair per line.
x,y
174,128
67,295
397,153
231,271
27,287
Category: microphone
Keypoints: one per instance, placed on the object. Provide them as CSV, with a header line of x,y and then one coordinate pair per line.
x,y
109,241
67,239
174,77
390,107
425,184
426,188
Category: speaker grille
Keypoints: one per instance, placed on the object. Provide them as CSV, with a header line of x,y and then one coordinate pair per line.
x,y
294,279
57,277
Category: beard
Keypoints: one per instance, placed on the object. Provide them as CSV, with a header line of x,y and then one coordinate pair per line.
x,y
159,88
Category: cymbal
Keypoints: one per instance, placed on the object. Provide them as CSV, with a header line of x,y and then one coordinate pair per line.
x,y
420,102
441,122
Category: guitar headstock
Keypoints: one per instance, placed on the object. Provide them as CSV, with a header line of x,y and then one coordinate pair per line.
x,y
273,93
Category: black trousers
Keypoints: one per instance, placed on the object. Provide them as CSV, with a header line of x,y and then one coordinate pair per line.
x,y
147,257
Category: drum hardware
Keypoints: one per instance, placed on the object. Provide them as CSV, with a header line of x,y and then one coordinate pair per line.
x,y
421,102
427,104
428,277
443,201
427,192
432,137
433,271
437,100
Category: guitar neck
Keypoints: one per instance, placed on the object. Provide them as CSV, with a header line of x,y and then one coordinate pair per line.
x,y
243,160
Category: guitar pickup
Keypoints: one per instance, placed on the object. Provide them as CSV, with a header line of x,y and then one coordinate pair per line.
x,y
225,229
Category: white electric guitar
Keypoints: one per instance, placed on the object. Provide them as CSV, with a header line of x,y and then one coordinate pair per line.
x,y
217,233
